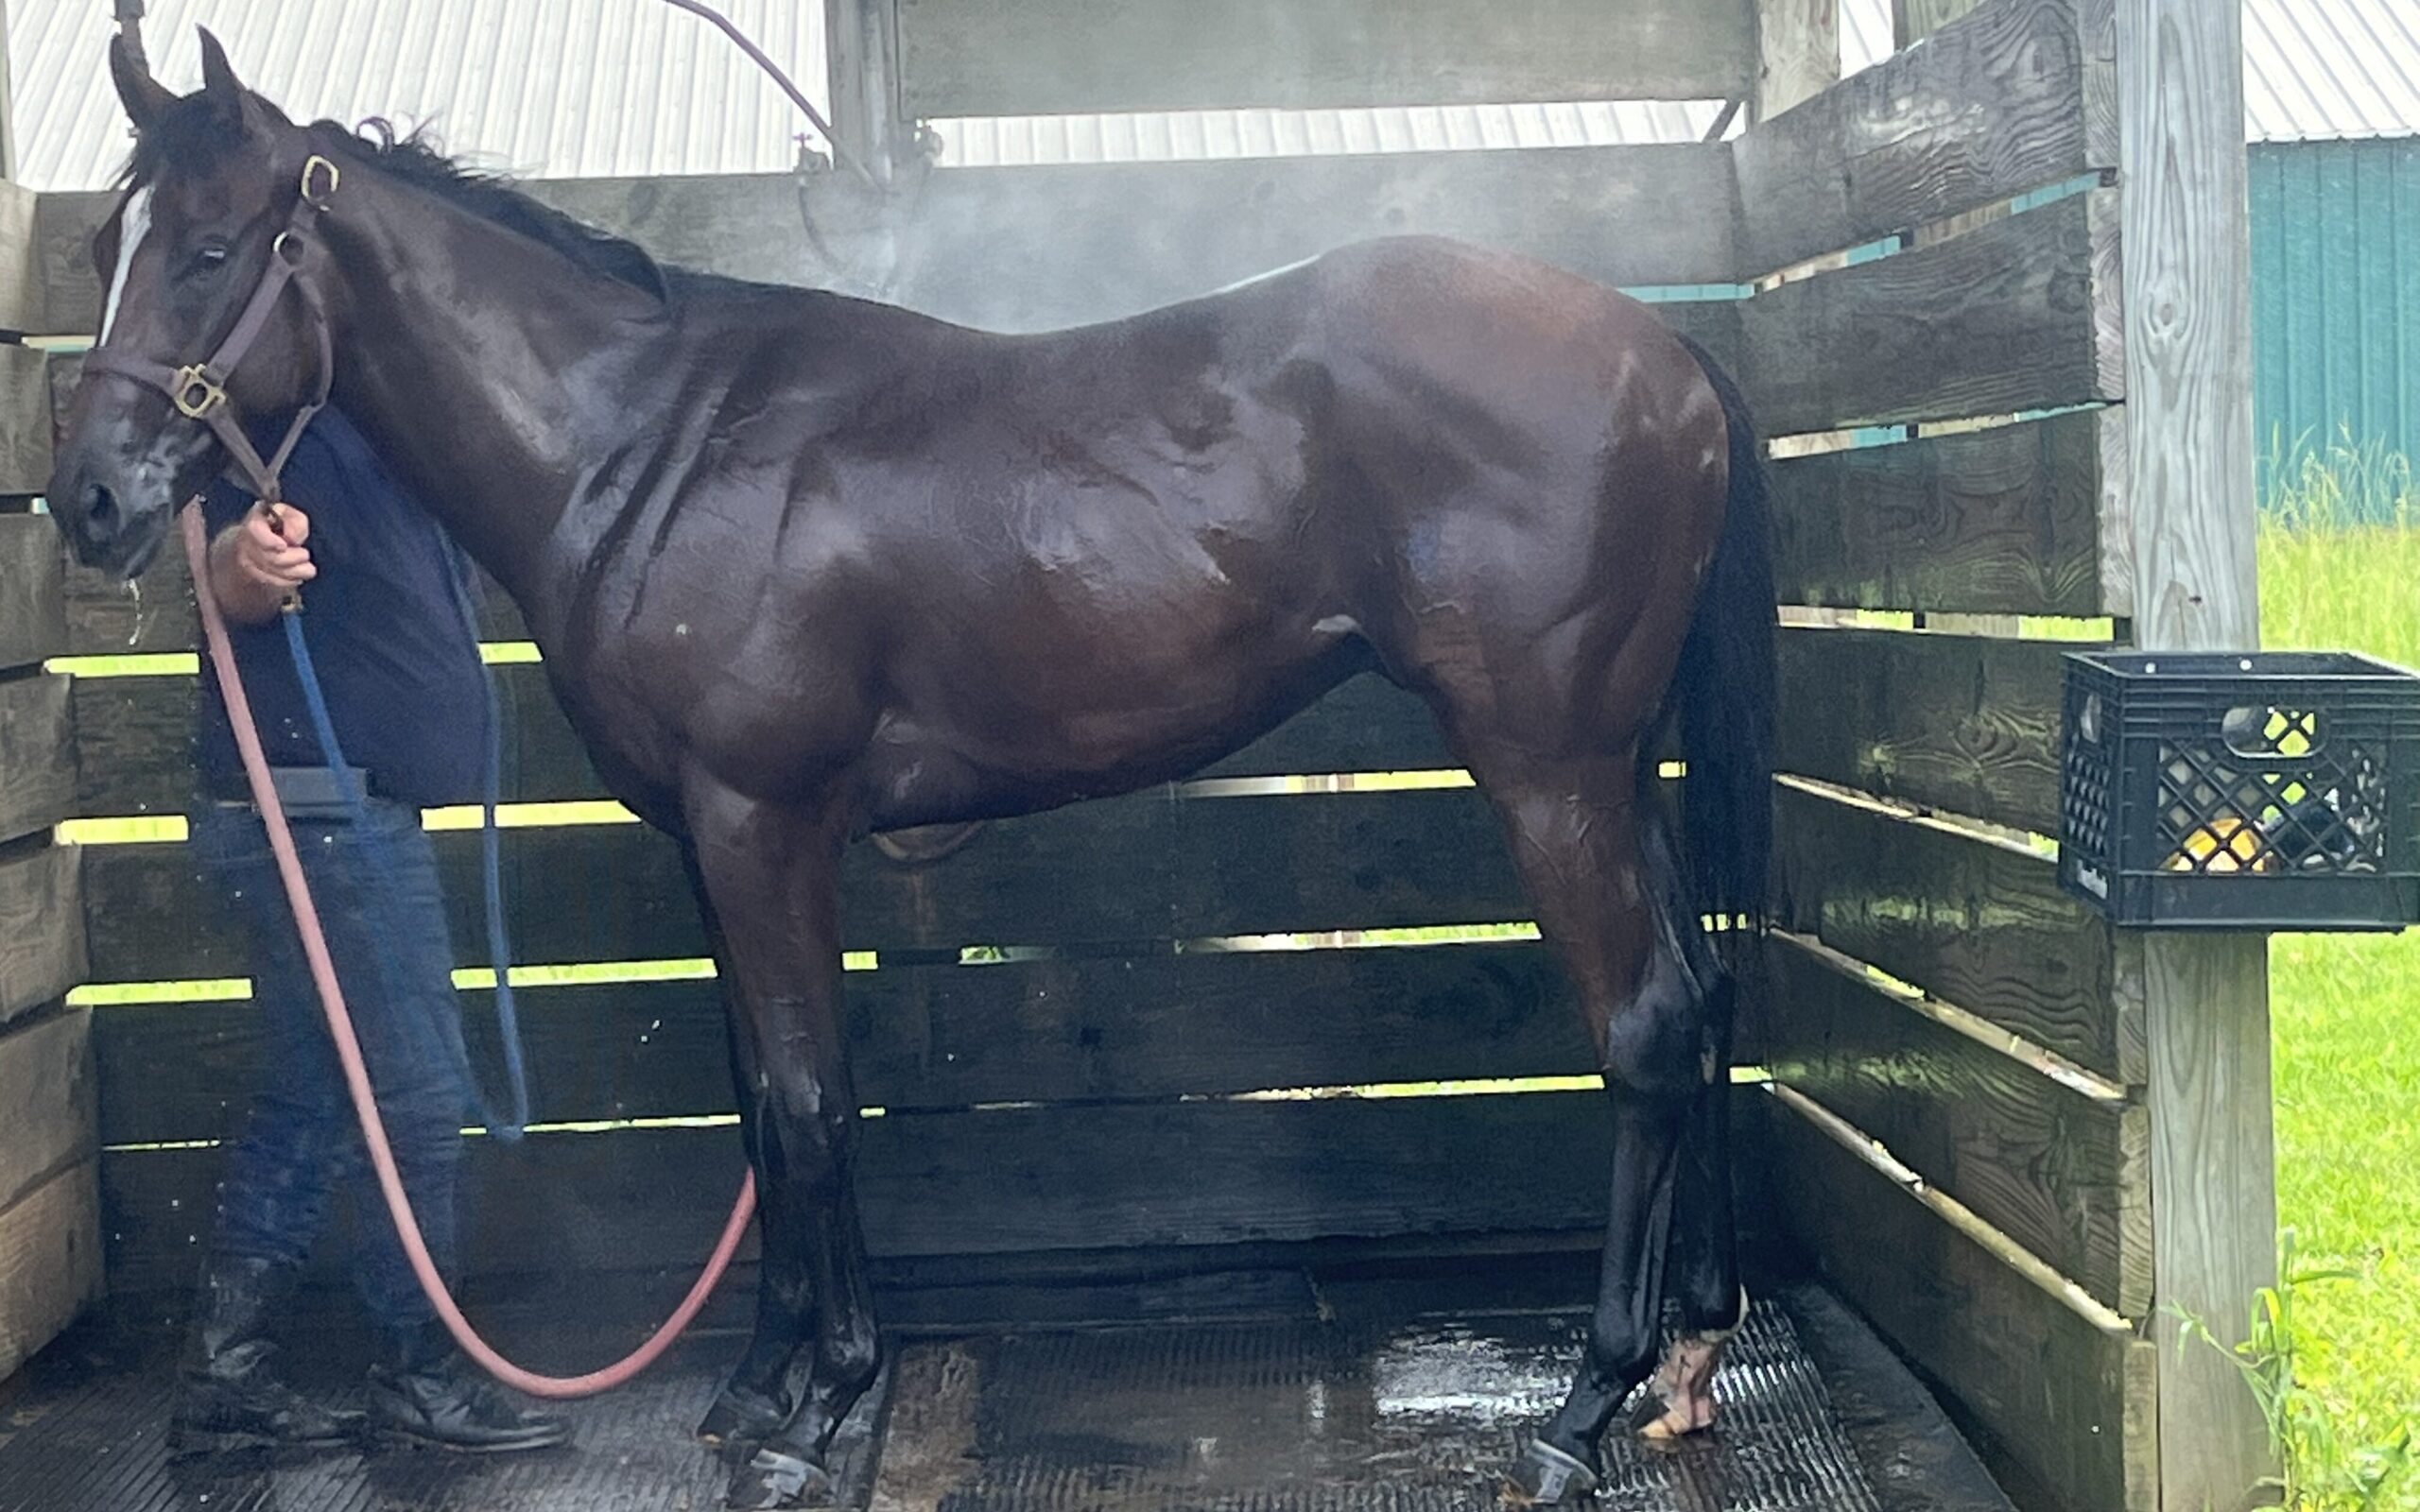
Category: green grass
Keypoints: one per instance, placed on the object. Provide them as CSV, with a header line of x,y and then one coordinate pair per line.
x,y
2346,1008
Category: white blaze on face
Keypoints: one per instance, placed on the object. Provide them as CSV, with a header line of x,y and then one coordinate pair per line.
x,y
132,229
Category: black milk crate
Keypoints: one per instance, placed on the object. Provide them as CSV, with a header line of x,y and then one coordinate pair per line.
x,y
2267,790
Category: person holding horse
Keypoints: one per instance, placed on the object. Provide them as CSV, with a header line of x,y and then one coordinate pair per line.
x,y
386,627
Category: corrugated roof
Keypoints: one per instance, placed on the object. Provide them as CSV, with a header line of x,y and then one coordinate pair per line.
x,y
547,88
2325,70
581,88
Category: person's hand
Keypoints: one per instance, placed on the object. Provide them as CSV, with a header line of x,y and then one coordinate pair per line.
x,y
259,561
268,547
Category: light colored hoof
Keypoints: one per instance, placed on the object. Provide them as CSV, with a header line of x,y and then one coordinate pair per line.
x,y
1680,1395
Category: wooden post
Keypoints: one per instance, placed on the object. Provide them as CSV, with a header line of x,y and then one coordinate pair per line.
x,y
1912,21
1798,52
861,53
2189,386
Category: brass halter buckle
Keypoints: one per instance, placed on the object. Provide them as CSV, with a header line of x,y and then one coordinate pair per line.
x,y
200,389
314,169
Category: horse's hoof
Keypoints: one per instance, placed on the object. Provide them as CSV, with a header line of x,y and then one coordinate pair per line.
x,y
773,1478
1545,1476
740,1416
1679,1399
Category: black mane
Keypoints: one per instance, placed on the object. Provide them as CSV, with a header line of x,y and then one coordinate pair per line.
x,y
185,136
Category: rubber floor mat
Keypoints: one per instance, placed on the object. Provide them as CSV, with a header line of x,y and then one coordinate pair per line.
x,y
1326,1418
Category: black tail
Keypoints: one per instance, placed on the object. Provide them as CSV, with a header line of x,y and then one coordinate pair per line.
x,y
1723,691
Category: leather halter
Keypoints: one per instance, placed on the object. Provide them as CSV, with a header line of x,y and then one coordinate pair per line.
x,y
200,389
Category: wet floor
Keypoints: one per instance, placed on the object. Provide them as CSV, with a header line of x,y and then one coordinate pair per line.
x,y
1289,1418
1370,1405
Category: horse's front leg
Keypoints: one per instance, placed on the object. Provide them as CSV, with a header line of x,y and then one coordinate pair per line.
x,y
768,873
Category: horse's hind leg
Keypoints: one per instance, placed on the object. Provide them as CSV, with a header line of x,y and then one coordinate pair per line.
x,y
1577,828
1702,1277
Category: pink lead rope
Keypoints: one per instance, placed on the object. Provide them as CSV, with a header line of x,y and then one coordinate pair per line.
x,y
356,1075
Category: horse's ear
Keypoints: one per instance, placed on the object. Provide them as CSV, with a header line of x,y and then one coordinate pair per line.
x,y
144,97
219,81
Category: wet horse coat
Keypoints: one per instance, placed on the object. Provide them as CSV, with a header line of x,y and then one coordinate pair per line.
x,y
804,566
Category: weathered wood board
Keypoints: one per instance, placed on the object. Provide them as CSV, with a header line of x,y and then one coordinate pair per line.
x,y
24,416
2016,98
1977,921
994,1182
21,292
2059,1164
1118,872
41,925
33,622
2021,315
2022,518
134,741
1033,247
2068,1390
1967,723
47,1100
924,1038
50,1261
1054,57
37,754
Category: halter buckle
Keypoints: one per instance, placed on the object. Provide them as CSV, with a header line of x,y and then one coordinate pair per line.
x,y
200,389
313,166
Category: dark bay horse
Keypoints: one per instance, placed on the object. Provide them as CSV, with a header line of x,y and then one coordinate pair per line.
x,y
804,567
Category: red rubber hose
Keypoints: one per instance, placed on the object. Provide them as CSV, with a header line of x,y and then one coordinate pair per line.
x,y
356,1076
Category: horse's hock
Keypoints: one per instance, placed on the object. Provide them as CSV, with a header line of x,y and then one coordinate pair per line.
x,y
2012,1138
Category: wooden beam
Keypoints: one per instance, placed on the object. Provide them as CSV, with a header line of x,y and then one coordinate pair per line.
x,y
2063,1385
1038,246
21,292
133,741
37,754
41,926
49,1096
862,64
2058,1162
1798,53
1973,920
1056,56
2008,100
991,1182
2021,315
1033,249
924,1036
1967,723
2013,519
25,419
33,616
1145,868
50,1261
2189,373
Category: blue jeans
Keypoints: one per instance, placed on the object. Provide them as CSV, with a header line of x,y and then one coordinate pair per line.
x,y
385,922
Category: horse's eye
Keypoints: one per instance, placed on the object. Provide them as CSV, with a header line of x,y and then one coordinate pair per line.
x,y
206,259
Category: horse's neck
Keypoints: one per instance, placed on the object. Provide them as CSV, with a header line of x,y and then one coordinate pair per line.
x,y
484,366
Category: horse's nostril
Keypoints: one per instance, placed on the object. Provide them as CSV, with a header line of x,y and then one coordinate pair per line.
x,y
101,508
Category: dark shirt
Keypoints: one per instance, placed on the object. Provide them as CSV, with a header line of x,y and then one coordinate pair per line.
x,y
397,663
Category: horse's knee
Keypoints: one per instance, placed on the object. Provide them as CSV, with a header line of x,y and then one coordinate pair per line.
x,y
805,1134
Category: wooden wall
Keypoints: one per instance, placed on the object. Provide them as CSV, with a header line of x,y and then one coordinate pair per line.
x,y
50,1249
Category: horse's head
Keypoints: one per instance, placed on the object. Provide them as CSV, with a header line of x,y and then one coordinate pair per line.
x,y
214,184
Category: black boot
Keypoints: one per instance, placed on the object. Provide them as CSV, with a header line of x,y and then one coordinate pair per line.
x,y
425,1390
230,1395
